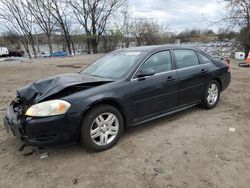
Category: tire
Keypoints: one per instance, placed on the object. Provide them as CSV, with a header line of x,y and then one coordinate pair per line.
x,y
211,102
243,64
106,124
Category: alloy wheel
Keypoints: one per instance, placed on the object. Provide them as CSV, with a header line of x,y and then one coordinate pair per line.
x,y
213,93
104,129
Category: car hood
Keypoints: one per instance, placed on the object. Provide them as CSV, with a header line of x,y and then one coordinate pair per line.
x,y
42,89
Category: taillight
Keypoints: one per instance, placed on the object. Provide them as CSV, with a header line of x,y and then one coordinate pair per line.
x,y
227,62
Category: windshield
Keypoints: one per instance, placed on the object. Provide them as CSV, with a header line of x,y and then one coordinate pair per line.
x,y
114,65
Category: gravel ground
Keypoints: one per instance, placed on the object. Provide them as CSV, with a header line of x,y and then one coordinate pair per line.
x,y
193,148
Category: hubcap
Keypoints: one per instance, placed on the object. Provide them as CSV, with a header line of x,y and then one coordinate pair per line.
x,y
212,94
104,129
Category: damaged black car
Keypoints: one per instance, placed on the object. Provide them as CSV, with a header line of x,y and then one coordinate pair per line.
x,y
125,88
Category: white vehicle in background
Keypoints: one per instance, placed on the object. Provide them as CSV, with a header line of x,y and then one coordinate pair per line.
x,y
46,54
4,52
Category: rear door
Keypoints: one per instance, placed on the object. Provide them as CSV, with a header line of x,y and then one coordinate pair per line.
x,y
191,75
154,94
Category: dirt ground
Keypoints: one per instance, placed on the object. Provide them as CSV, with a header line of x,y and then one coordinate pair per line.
x,y
190,149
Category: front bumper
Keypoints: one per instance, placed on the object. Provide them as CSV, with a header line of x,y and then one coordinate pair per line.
x,y
43,130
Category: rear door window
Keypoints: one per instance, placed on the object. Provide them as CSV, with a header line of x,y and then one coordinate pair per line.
x,y
185,58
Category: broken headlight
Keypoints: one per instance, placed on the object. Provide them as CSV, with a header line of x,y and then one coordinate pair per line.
x,y
48,108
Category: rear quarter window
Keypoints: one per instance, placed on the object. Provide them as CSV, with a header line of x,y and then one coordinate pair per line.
x,y
204,59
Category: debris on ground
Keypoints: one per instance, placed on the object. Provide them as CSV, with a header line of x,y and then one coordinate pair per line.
x,y
75,181
44,155
159,170
22,147
231,129
29,153
13,59
3,109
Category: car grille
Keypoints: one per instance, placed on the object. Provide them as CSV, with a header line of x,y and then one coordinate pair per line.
x,y
19,107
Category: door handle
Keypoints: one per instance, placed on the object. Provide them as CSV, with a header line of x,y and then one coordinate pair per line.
x,y
203,70
170,78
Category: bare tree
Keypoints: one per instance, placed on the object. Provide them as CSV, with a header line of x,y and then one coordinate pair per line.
x,y
125,26
59,10
144,30
93,16
12,38
239,16
15,13
239,12
109,40
41,11
24,39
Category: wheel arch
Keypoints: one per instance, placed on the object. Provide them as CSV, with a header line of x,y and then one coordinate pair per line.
x,y
111,102
219,81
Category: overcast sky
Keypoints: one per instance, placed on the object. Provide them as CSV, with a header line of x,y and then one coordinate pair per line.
x,y
180,15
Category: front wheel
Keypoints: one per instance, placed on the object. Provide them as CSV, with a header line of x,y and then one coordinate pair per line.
x,y
101,128
212,95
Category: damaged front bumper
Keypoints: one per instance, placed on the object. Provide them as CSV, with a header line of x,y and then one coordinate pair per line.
x,y
42,130
12,122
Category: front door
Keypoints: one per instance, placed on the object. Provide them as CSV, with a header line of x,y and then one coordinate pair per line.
x,y
154,94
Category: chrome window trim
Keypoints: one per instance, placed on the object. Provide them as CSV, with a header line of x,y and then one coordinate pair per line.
x,y
173,69
134,79
192,66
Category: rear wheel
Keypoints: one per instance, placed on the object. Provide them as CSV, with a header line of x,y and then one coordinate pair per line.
x,y
212,95
101,128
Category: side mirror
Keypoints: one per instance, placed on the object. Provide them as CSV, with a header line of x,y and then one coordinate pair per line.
x,y
145,72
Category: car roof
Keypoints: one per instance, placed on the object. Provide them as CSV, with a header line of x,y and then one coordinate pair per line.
x,y
156,47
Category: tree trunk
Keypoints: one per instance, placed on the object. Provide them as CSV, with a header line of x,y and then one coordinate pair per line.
x,y
67,38
49,43
26,47
127,42
18,45
88,45
73,47
33,46
94,46
28,52
68,43
138,41
105,44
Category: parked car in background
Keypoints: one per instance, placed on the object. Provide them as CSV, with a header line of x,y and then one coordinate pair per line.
x,y
79,52
58,54
4,52
125,88
46,54
16,53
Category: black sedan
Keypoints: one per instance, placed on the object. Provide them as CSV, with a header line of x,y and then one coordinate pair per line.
x,y
124,88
